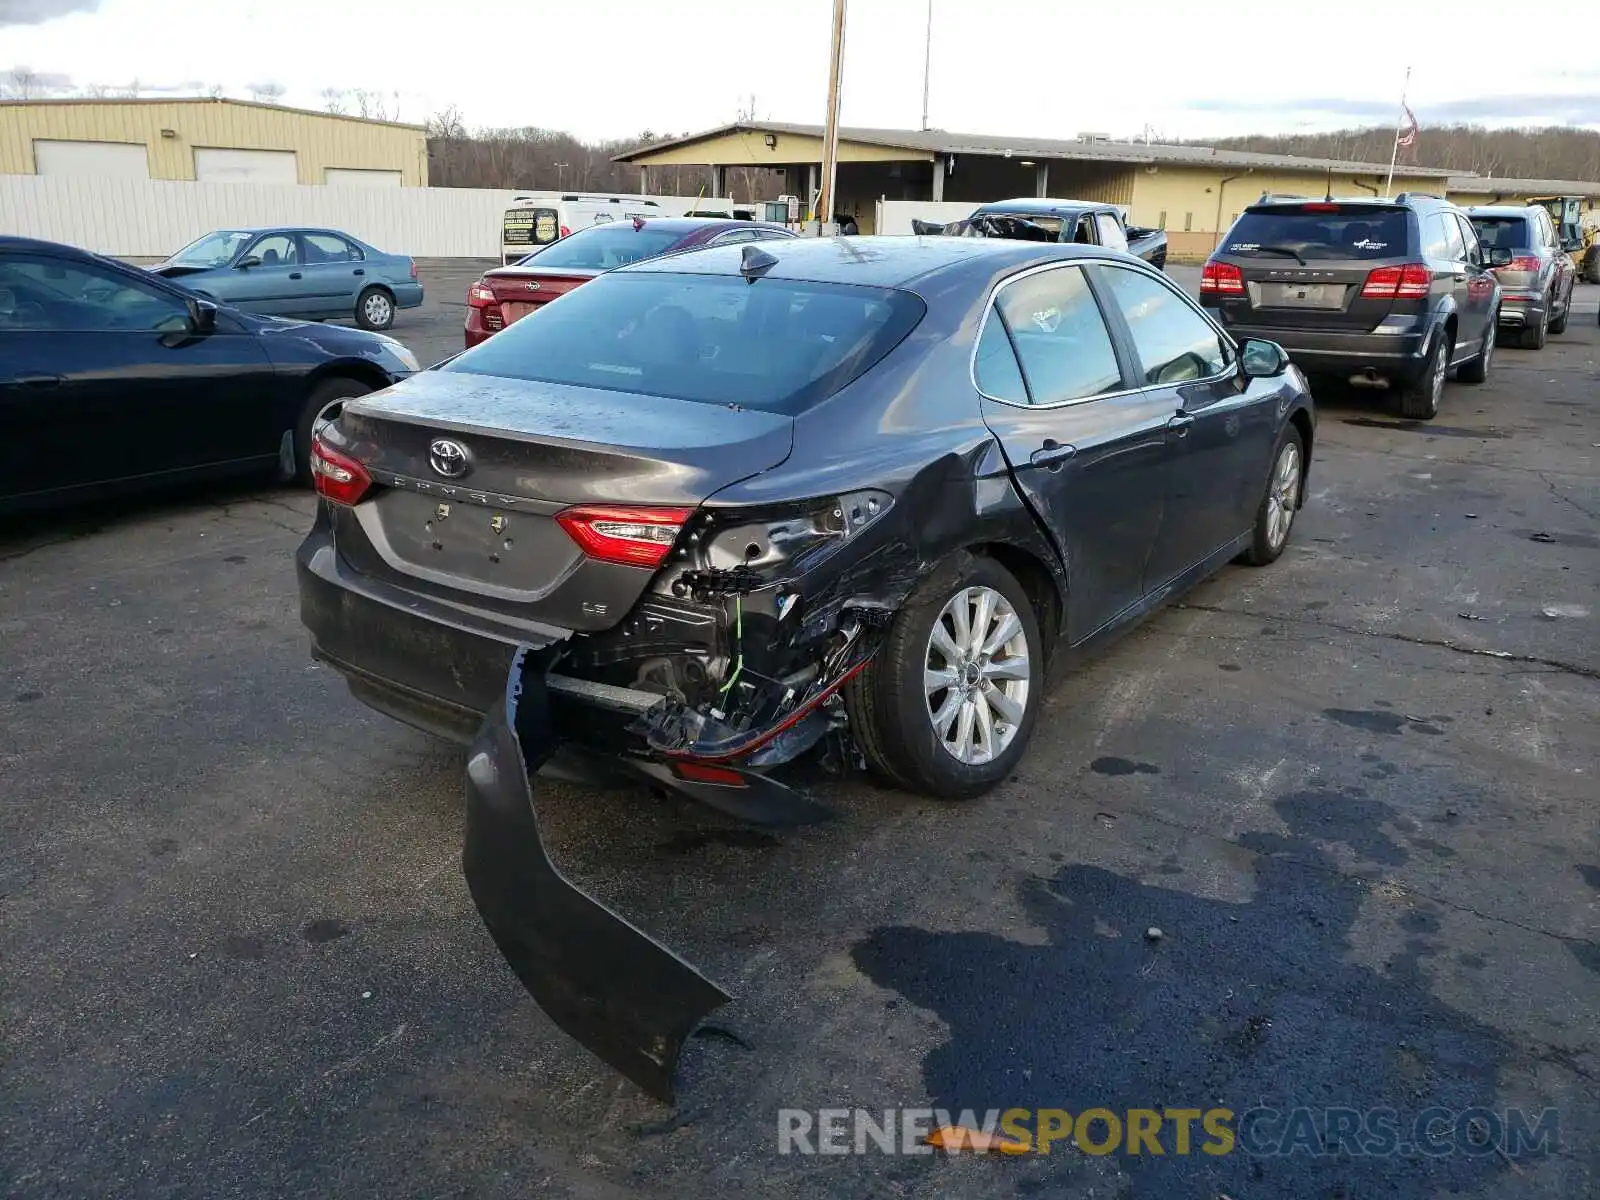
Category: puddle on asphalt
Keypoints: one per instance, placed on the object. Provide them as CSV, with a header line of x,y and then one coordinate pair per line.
x,y
1235,1005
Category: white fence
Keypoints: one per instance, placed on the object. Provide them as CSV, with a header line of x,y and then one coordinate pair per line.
x,y
139,218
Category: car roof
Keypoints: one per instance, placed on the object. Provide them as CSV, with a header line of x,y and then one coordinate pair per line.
x,y
893,262
1038,205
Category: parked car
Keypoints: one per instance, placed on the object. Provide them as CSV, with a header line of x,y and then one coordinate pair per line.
x,y
716,510
1383,293
309,273
1034,219
505,294
1536,285
114,380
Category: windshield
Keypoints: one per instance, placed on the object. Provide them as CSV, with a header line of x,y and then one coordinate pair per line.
x,y
1320,233
602,247
774,344
214,250
1502,233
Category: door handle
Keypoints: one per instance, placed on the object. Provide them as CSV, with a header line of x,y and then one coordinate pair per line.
x,y
1180,424
1461,278
37,383
294,275
1052,454
361,271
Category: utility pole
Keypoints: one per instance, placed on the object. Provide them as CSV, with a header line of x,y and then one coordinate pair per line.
x,y
830,133
927,64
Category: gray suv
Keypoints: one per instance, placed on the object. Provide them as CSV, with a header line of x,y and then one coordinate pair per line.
x,y
1390,294
1536,286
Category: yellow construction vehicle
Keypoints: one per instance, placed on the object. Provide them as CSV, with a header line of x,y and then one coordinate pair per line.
x,y
1577,239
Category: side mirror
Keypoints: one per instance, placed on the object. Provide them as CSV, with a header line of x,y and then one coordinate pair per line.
x,y
202,316
1260,359
248,261
1499,257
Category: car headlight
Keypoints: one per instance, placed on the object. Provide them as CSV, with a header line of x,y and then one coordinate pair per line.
x,y
407,359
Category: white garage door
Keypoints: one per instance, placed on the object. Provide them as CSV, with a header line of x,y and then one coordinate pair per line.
x,y
245,166
103,160
359,177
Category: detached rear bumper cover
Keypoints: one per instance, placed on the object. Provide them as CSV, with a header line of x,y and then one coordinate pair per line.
x,y
608,984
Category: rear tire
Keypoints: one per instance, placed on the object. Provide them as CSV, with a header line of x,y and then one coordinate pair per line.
x,y
1558,325
952,741
1534,339
1419,400
321,406
1280,501
375,309
1477,370
1591,264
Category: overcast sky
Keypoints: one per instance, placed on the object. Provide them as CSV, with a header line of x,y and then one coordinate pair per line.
x,y
1039,68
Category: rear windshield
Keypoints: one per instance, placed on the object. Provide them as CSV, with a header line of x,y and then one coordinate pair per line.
x,y
776,344
602,247
1503,233
1352,232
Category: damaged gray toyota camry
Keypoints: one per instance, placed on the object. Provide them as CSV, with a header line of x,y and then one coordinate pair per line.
x,y
715,511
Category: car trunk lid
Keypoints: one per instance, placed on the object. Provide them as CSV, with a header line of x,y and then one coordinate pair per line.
x,y
476,519
519,290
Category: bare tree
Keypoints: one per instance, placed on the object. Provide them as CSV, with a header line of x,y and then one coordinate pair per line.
x,y
21,83
270,92
446,124
96,91
333,100
216,91
132,88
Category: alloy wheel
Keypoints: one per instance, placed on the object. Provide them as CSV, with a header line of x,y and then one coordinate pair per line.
x,y
976,675
1283,495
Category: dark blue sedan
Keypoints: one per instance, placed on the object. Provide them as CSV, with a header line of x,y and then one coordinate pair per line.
x,y
313,273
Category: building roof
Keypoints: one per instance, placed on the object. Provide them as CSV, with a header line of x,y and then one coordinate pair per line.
x,y
119,102
1523,187
939,141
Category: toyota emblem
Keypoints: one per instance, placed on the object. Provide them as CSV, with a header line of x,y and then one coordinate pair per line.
x,y
533,287
448,458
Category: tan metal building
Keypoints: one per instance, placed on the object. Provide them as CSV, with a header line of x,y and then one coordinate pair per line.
x,y
1193,192
228,141
1467,190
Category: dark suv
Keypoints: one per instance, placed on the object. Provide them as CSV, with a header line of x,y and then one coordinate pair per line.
x,y
1536,286
1383,293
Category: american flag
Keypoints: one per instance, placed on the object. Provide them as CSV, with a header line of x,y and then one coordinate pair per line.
x,y
1408,133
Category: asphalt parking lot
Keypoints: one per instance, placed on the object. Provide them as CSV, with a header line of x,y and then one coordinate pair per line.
x,y
1355,792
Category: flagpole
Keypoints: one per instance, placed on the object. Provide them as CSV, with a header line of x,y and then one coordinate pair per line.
x,y
1394,152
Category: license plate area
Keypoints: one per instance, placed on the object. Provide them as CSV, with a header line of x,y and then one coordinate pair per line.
x,y
500,551
515,310
1299,295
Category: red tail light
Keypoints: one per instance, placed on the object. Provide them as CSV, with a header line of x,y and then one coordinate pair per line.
x,y
565,232
337,476
1523,263
698,772
1225,279
413,268
632,535
1321,206
1409,282
481,295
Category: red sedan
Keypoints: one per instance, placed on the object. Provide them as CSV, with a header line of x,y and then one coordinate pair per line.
x,y
506,294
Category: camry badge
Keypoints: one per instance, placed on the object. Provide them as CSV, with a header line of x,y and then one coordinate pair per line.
x,y
533,287
448,458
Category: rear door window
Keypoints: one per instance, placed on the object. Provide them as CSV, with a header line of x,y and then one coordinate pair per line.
x,y
531,227
1060,336
1319,233
1110,232
327,248
1175,344
995,366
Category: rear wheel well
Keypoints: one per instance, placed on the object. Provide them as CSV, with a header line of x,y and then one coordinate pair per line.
x,y
1043,592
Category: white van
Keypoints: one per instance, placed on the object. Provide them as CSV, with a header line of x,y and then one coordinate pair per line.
x,y
537,219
